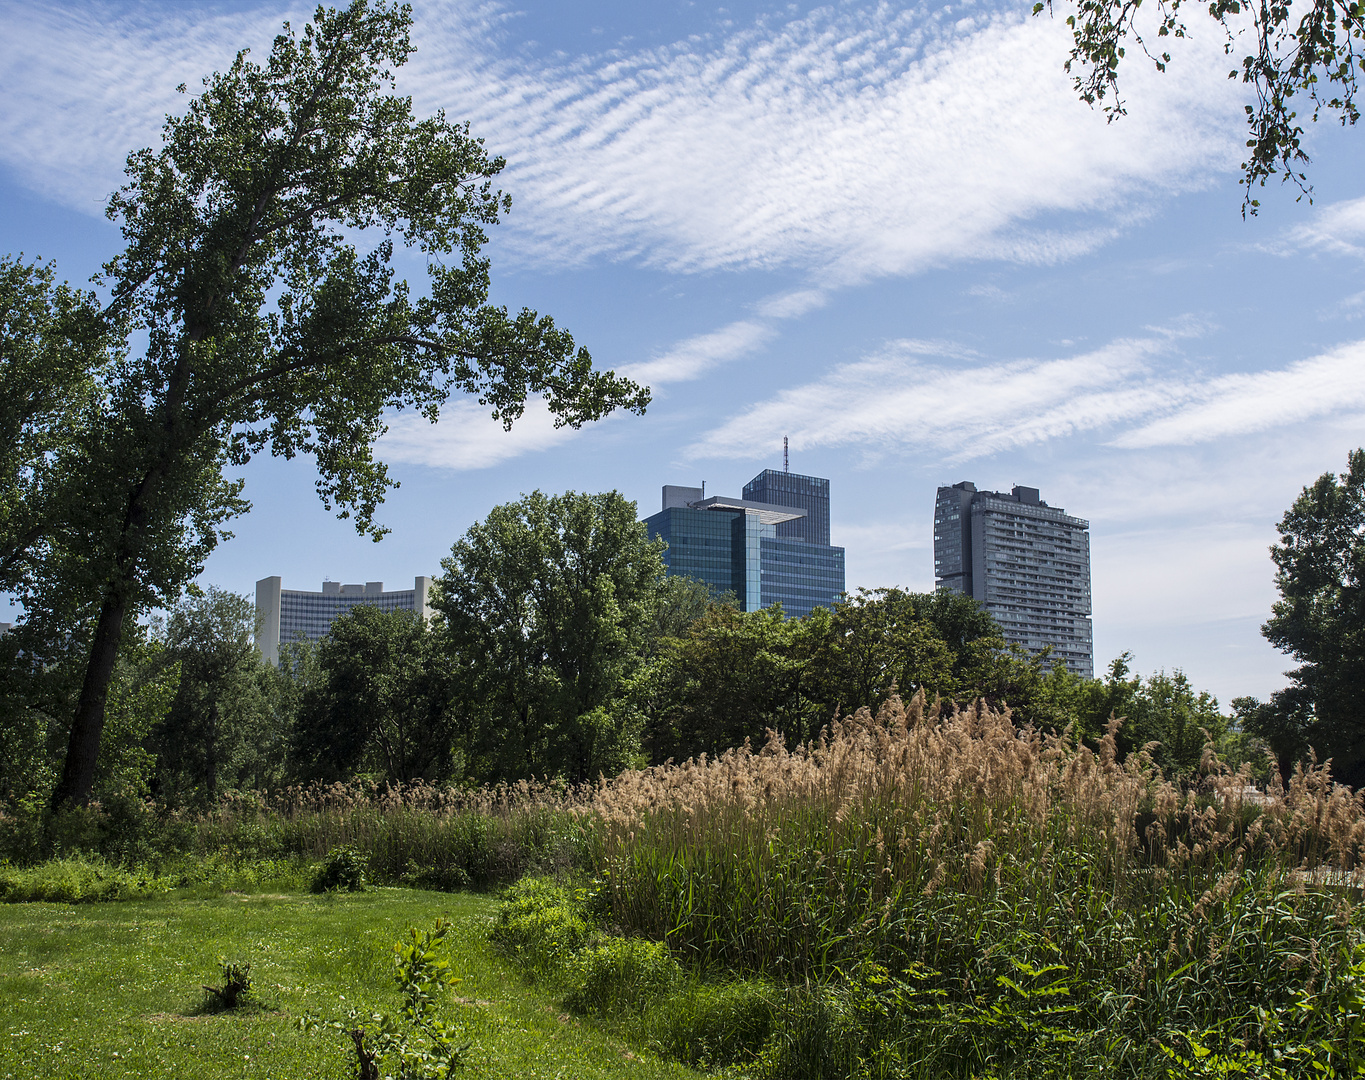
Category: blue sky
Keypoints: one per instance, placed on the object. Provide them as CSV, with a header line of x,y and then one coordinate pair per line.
x,y
889,232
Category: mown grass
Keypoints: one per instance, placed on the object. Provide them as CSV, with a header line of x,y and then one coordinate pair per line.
x,y
114,990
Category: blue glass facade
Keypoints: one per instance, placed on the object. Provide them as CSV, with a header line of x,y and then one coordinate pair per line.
x,y
801,576
808,493
756,548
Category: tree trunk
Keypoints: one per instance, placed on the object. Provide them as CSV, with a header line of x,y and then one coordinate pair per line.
x,y
83,749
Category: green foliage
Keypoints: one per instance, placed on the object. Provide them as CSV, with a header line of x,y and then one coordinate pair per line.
x,y
540,926
54,348
733,676
1162,709
74,880
379,703
619,976
236,985
1308,51
547,606
344,870
417,1044
1320,621
715,1024
222,730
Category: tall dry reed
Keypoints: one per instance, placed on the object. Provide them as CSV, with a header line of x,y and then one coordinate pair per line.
x,y
993,869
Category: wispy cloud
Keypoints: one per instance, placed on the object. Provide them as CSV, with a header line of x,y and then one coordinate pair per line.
x,y
1338,228
695,356
850,143
1244,403
853,142
468,438
84,85
920,397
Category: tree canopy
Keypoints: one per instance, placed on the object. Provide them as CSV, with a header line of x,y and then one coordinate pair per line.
x,y
1320,621
258,269
548,607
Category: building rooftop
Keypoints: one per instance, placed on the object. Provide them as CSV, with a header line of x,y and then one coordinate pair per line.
x,y
768,513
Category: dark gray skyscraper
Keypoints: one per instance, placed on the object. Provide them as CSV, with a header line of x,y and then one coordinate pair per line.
x,y
1028,562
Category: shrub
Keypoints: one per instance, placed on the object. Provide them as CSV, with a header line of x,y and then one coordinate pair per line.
x,y
540,925
712,1025
417,1041
236,985
344,870
619,976
75,880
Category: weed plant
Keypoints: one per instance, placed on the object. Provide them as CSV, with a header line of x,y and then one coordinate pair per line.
x,y
947,895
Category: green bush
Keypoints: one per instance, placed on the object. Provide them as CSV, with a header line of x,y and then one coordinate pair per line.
x,y
344,870
540,925
621,976
75,880
717,1024
235,989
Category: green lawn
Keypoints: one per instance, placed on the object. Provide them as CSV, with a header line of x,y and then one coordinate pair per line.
x,y
114,990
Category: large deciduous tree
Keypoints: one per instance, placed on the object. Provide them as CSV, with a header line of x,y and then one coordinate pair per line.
x,y
258,271
54,345
1320,621
381,702
1297,61
548,605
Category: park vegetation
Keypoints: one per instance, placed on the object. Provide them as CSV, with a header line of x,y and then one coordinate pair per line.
x,y
876,841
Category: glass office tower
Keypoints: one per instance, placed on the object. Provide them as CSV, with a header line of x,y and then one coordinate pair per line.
x,y
808,493
768,558
1027,562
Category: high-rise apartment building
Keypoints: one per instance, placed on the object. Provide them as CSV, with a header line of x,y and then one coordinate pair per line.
x,y
1027,562
769,547
285,615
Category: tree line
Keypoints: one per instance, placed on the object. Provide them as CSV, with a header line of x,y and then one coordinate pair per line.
x,y
559,649
253,308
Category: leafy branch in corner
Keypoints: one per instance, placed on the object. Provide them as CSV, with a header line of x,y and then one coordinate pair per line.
x,y
1313,54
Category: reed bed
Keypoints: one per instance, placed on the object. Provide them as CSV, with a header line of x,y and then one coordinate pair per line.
x,y
419,834
424,834
962,894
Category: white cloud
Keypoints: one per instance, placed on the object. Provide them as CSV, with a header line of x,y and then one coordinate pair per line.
x,y
899,401
854,142
1338,228
1244,403
695,356
849,142
792,304
84,85
468,438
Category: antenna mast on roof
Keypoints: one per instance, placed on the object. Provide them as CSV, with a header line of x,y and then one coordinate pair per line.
x,y
784,453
